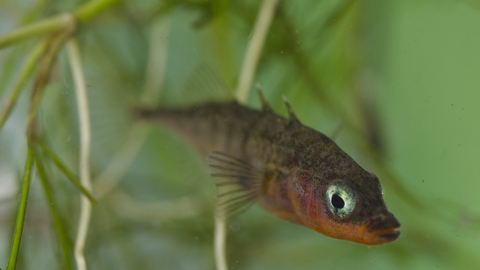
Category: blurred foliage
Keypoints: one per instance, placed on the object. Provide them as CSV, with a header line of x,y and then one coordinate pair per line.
x,y
400,78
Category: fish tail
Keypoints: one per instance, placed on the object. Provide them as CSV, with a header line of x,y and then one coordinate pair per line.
x,y
162,116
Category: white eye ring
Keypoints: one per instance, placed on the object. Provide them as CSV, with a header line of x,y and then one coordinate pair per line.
x,y
340,199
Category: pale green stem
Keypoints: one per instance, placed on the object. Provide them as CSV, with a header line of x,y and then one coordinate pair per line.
x,y
27,70
92,8
45,67
85,136
12,263
61,234
121,161
254,49
157,60
81,14
124,157
220,238
156,212
72,177
42,27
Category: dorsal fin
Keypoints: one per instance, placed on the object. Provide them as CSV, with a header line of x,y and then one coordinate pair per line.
x,y
263,100
204,85
291,115
336,131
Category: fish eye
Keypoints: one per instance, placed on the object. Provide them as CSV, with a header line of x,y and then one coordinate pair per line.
x,y
341,199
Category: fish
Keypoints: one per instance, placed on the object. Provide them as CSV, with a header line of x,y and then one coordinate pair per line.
x,y
294,172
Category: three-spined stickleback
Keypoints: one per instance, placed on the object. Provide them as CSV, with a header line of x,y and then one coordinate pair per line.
x,y
291,170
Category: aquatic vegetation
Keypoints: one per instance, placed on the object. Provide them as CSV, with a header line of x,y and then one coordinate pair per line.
x,y
394,83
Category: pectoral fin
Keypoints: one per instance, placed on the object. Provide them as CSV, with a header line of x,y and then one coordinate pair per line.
x,y
241,183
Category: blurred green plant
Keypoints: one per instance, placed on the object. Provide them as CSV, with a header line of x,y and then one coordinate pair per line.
x,y
317,53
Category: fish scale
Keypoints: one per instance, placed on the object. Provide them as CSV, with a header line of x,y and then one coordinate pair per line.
x,y
293,171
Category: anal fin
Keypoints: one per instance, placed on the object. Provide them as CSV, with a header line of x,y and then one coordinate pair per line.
x,y
240,186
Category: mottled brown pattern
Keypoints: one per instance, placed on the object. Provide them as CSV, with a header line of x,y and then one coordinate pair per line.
x,y
299,164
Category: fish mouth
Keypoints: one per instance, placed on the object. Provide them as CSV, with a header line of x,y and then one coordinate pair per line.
x,y
382,229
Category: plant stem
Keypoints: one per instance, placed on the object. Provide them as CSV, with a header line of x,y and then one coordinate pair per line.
x,y
72,177
42,27
81,14
252,55
61,234
92,8
254,49
154,79
27,70
12,263
220,239
157,60
121,161
85,136
45,66
158,212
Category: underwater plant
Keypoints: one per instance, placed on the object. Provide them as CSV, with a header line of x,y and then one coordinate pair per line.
x,y
84,184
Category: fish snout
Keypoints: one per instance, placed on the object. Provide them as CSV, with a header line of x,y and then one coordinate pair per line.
x,y
382,229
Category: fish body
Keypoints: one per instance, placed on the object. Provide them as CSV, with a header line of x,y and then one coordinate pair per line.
x,y
291,170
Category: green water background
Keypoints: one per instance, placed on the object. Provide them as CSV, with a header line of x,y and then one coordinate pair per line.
x,y
414,64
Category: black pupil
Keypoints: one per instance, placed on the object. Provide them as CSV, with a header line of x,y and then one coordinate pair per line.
x,y
337,202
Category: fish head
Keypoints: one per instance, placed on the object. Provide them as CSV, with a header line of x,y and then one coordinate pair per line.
x,y
344,204
354,210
